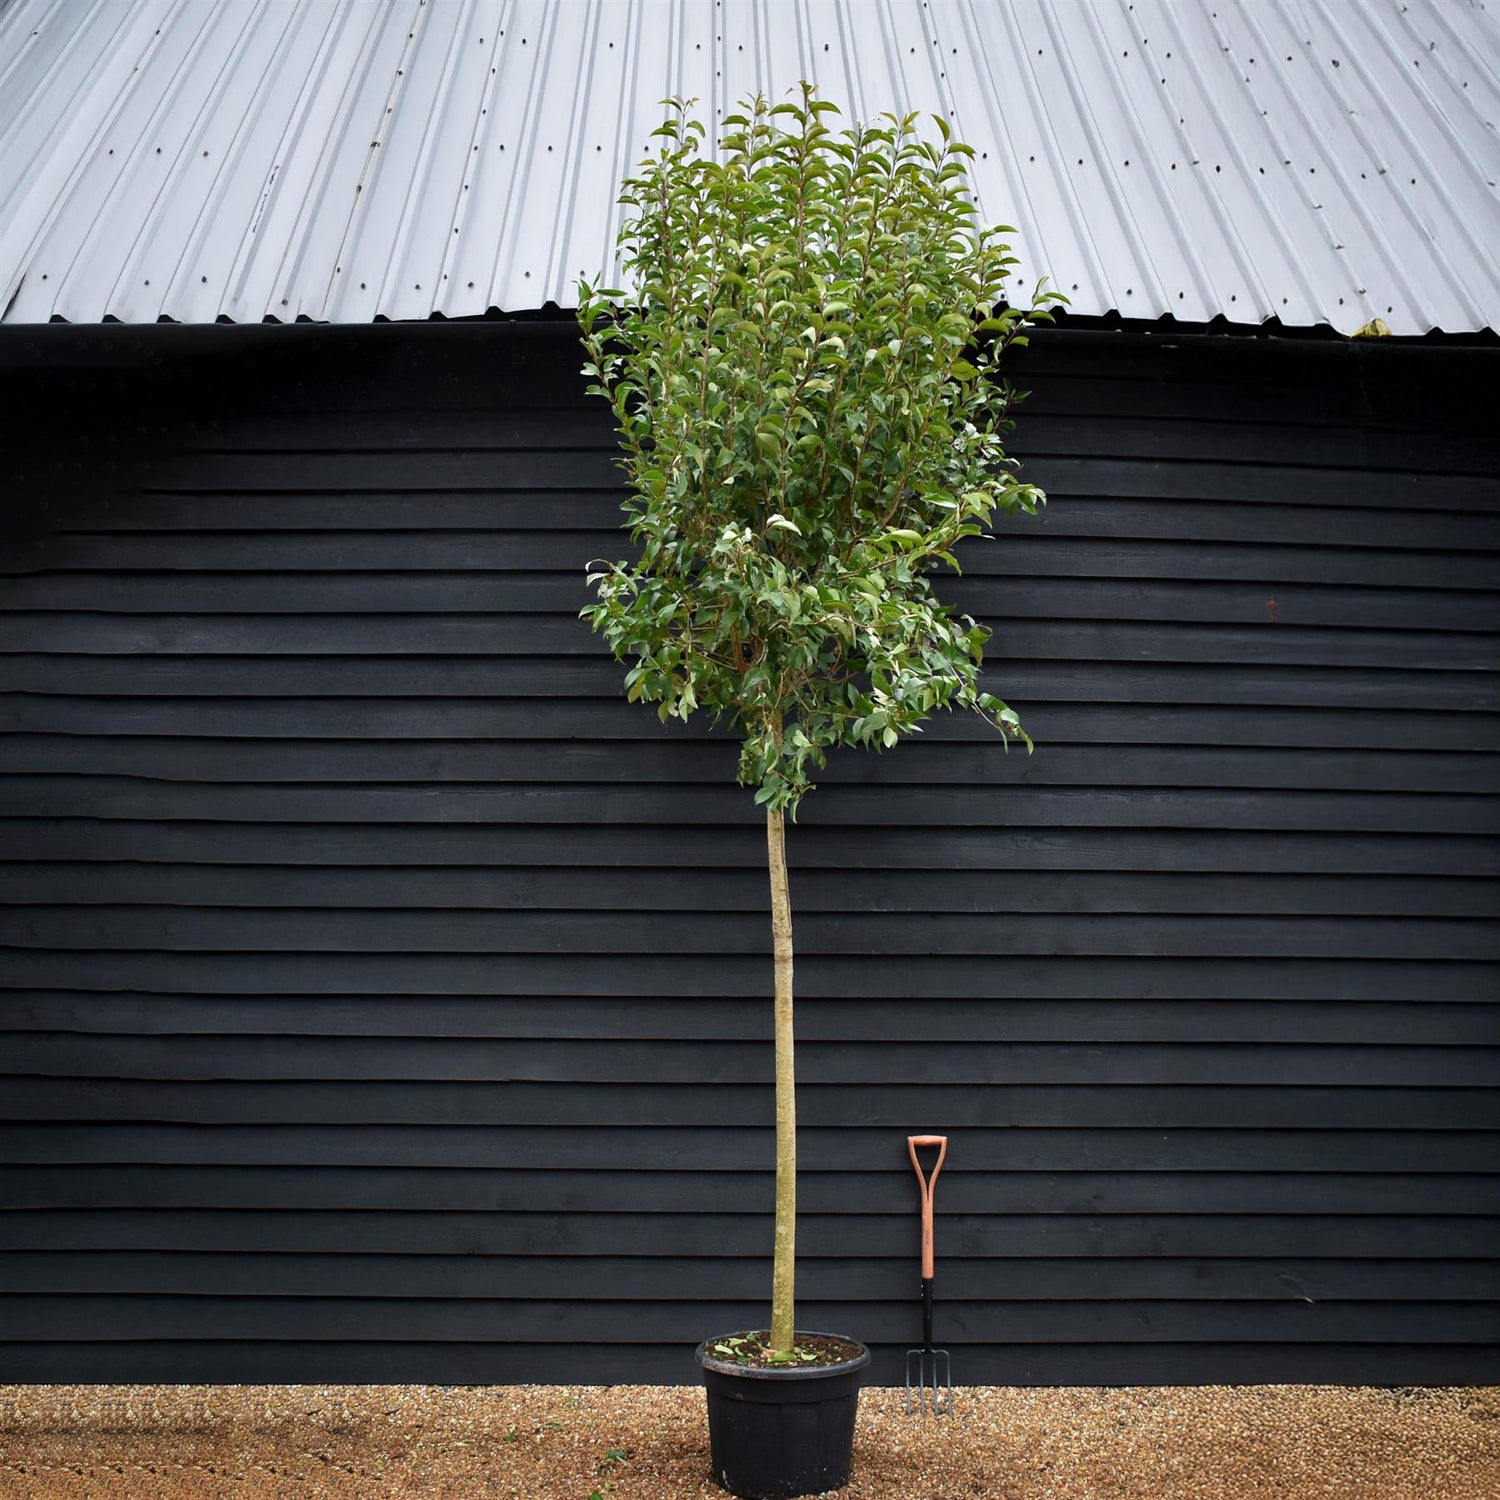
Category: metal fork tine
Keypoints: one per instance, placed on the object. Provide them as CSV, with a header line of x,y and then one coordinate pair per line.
x,y
942,1383
929,1382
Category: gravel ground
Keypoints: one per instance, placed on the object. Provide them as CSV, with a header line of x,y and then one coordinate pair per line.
x,y
650,1443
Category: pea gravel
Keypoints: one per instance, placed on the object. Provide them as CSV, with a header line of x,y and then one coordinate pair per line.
x,y
650,1443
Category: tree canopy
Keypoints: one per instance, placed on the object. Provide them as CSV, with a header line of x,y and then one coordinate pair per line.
x,y
806,388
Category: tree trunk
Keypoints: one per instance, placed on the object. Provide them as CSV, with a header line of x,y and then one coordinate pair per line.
x,y
783,1275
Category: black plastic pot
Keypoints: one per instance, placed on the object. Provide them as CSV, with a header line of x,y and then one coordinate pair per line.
x,y
780,1431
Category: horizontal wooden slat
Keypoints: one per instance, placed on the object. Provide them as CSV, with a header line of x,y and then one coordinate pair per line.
x,y
1270,478
743,1149
511,426
304,591
78,1235
240,929
1000,598
593,889
1268,1021
695,761
521,1319
44,635
595,676
1288,400
459,451
1028,553
611,720
1070,416
494,846
596,805
620,1277
998,1196
1399,1105
997,597
916,978
529,467
1310,510
1104,512
1084,504
615,1062
1255,365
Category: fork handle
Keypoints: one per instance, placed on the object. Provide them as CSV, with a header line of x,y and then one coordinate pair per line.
x,y
927,1184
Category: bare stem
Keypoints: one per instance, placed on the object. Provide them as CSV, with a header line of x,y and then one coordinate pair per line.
x,y
783,1276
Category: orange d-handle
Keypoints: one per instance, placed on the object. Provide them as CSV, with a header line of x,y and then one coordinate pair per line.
x,y
927,1185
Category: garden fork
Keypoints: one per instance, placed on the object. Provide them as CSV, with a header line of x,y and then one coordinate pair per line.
x,y
929,1379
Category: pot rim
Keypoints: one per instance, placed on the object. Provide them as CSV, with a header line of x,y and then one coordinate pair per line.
x,y
783,1372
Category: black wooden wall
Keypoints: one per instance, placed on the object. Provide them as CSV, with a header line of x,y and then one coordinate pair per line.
x,y
384,997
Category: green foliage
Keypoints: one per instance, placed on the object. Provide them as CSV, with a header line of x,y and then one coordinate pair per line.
x,y
807,394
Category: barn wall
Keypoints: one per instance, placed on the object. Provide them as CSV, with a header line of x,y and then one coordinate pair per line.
x,y
384,997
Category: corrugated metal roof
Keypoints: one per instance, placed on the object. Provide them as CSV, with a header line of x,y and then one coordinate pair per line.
x,y
1310,160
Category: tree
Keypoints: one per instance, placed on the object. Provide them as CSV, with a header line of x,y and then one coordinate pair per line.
x,y
805,383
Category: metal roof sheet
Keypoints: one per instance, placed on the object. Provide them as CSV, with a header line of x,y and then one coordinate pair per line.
x,y
1311,160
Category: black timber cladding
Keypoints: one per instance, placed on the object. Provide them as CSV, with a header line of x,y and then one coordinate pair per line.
x,y
384,997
